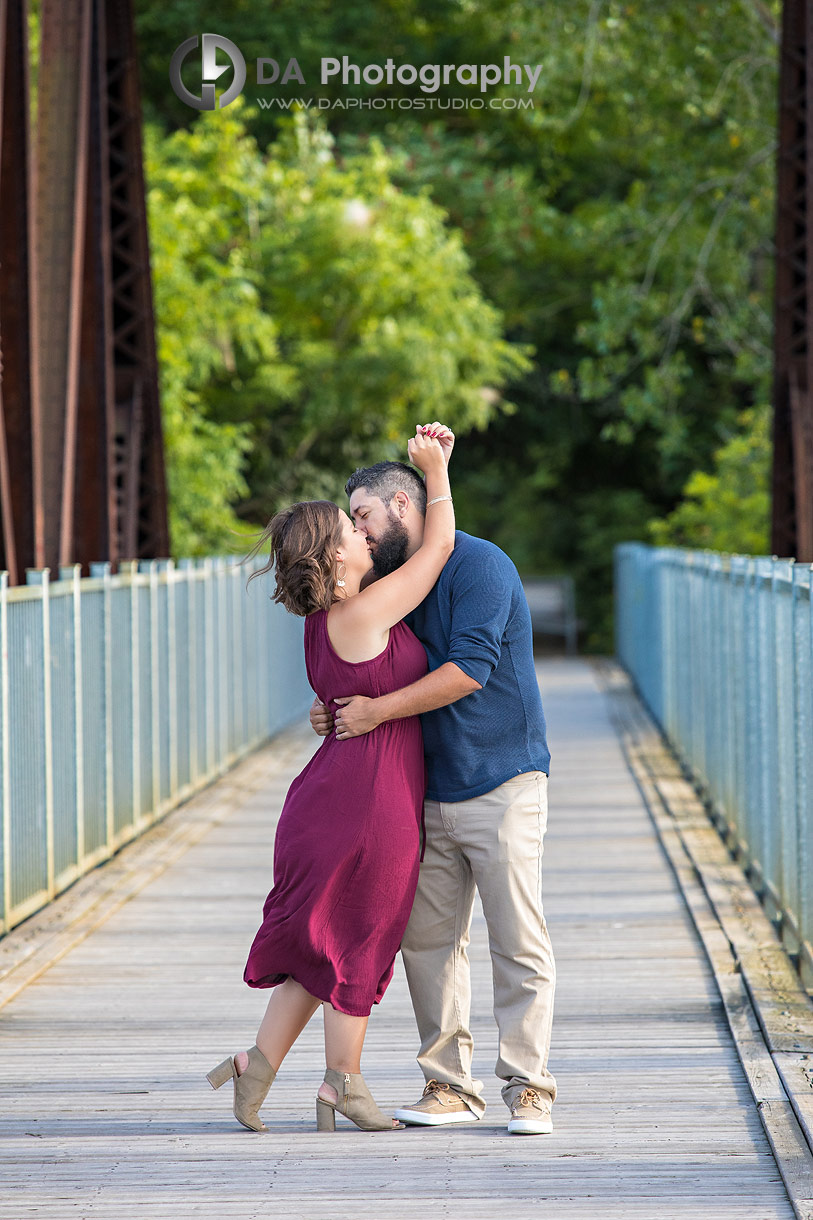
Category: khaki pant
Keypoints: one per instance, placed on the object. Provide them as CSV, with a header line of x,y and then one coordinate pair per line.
x,y
493,842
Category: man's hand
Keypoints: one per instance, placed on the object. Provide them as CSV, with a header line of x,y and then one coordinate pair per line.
x,y
442,434
321,718
357,716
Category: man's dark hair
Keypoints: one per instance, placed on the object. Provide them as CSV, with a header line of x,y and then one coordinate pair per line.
x,y
385,479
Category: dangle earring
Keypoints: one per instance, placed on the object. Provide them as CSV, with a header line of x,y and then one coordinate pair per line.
x,y
340,581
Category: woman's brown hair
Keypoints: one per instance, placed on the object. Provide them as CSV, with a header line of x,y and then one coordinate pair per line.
x,y
303,541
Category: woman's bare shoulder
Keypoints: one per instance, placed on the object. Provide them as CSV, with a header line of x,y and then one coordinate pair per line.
x,y
353,637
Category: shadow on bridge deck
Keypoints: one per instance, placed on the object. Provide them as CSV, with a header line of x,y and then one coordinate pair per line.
x,y
106,1110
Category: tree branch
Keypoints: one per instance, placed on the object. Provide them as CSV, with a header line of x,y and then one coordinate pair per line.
x,y
765,17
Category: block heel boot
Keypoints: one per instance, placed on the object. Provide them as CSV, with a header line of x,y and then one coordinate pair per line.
x,y
250,1087
354,1102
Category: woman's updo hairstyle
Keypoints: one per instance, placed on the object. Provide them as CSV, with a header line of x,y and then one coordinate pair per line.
x,y
303,541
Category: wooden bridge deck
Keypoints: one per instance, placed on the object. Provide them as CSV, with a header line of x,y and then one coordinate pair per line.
x,y
105,1111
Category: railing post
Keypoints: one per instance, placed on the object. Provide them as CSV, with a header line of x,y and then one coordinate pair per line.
x,y
752,744
101,571
186,569
768,730
167,568
717,719
41,577
5,776
802,681
786,739
224,723
209,625
740,761
148,566
239,665
128,574
802,651
728,663
73,573
254,594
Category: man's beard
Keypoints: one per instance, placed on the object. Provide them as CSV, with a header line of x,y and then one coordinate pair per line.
x,y
391,548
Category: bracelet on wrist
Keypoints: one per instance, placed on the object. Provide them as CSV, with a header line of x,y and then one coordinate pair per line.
x,y
438,499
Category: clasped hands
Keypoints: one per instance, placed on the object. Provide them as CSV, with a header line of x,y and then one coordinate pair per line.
x,y
355,717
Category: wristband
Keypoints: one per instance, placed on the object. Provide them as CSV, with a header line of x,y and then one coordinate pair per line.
x,y
438,499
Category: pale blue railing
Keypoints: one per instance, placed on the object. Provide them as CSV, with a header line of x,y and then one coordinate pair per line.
x,y
721,650
120,696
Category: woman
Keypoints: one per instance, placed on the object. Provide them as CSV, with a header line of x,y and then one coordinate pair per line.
x,y
346,853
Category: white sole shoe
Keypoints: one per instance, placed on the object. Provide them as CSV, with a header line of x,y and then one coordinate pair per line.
x,y
530,1126
416,1119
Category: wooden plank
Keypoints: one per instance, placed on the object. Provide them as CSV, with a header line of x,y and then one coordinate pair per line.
x,y
654,1118
751,970
797,1076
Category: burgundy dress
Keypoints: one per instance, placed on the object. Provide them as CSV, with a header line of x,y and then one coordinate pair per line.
x,y
347,849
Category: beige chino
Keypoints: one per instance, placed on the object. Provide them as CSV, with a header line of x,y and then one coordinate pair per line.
x,y
494,843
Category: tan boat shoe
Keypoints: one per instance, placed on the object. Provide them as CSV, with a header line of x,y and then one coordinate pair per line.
x,y
530,1114
439,1105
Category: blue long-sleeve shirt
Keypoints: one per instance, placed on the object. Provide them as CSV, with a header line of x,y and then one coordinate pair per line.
x,y
477,616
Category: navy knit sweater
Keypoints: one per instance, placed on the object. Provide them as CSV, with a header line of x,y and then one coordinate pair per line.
x,y
477,617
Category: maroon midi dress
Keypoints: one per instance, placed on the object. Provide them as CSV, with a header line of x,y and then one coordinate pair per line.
x,y
347,849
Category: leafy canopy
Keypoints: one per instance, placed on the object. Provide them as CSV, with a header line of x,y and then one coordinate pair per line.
x,y
309,314
621,229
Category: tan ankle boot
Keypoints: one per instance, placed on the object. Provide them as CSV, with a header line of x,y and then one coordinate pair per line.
x,y
354,1101
250,1087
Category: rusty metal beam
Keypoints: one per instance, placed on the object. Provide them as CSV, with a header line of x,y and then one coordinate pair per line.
x,y
792,523
17,329
120,505
62,152
93,504
139,473
97,468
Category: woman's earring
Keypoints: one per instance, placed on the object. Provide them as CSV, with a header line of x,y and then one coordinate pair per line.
x,y
340,581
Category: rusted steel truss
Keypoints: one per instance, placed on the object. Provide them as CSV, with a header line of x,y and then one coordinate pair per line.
x,y
84,455
792,530
17,315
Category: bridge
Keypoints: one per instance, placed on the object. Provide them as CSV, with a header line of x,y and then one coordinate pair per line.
x,y
153,714
683,1031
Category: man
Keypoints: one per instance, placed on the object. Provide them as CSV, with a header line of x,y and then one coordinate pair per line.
x,y
485,810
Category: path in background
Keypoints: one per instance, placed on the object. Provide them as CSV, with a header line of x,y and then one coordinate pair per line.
x,y
106,1112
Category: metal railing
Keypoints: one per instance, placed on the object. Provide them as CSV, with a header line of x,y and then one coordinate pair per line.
x,y
120,696
721,649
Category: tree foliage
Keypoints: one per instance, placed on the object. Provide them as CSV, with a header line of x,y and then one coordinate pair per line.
x,y
621,229
202,189
727,508
309,313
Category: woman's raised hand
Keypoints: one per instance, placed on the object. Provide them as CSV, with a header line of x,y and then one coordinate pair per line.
x,y
444,435
425,450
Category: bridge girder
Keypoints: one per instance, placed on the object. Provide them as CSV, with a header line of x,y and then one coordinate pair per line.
x,y
792,524
81,452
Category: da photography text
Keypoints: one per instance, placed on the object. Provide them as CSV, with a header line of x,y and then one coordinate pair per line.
x,y
429,78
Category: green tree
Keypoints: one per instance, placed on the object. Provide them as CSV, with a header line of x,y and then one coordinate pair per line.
x,y
310,313
203,198
624,228
727,509
621,227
